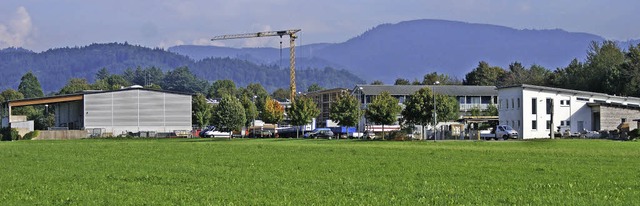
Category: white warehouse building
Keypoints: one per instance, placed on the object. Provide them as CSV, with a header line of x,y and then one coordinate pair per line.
x,y
130,110
534,110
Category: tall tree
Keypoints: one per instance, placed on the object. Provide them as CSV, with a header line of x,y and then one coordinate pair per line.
x,y
302,110
30,86
229,115
377,82
401,81
102,74
603,64
202,110
484,75
75,85
281,94
222,87
630,70
419,108
314,87
273,112
8,95
256,90
443,79
250,110
181,79
383,110
346,110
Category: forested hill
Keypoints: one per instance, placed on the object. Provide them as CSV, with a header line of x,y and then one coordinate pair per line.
x,y
55,67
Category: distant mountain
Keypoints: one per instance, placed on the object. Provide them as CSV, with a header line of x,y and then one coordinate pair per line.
x,y
55,67
412,49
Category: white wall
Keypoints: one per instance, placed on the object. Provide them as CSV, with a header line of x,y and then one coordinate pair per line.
x,y
567,110
120,112
510,106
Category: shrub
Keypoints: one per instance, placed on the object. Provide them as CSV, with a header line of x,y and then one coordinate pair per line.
x,y
9,134
31,135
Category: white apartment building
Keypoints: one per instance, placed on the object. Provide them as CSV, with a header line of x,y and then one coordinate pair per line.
x,y
534,110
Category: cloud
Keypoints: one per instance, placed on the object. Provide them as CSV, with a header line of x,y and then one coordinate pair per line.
x,y
167,44
19,31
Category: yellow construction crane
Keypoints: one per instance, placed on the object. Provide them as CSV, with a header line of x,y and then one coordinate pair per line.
x,y
292,49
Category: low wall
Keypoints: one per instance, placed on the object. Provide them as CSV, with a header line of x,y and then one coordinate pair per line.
x,y
62,134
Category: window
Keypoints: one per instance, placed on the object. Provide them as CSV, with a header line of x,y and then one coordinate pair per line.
x,y
507,103
518,103
534,124
567,102
518,123
534,106
624,120
582,99
568,123
512,105
549,106
548,124
561,123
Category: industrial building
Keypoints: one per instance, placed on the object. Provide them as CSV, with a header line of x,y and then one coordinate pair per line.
x,y
468,97
110,113
534,110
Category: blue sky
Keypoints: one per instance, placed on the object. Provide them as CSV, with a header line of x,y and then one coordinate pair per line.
x,y
40,24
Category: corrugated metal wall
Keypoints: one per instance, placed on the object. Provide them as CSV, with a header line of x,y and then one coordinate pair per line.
x,y
137,110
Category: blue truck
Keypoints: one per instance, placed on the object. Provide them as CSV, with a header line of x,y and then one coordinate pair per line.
x,y
344,132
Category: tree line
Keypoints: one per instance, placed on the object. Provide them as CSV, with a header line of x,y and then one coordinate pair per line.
x,y
55,67
607,69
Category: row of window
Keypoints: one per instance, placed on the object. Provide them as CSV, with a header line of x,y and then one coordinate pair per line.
x,y
534,124
549,105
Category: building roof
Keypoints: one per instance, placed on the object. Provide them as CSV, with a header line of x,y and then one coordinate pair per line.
x,y
77,96
452,90
574,92
326,91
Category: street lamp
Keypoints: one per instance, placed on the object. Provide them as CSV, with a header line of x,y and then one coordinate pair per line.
x,y
253,123
435,113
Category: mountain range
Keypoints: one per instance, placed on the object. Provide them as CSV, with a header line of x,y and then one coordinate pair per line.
x,y
55,67
411,49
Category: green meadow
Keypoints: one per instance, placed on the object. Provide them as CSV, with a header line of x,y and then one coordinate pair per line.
x,y
318,172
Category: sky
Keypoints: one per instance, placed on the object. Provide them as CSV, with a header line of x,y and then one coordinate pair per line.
x,y
39,25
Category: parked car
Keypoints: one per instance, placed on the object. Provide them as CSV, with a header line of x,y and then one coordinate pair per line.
x,y
369,134
211,132
319,132
260,133
501,131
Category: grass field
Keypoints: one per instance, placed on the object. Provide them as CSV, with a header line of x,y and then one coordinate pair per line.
x,y
325,172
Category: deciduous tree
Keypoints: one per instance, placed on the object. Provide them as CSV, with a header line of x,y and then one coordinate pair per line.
x,y
222,87
383,110
346,110
273,112
202,111
228,115
302,110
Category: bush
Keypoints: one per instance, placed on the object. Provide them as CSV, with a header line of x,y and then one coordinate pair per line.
x,y
397,135
31,135
9,134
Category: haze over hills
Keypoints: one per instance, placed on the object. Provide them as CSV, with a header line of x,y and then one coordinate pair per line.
x,y
412,49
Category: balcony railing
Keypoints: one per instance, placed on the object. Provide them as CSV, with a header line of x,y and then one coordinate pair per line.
x,y
468,107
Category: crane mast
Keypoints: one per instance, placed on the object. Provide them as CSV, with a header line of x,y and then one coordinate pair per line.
x,y
292,50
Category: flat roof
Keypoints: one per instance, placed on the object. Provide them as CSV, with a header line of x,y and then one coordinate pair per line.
x,y
571,91
76,97
452,90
